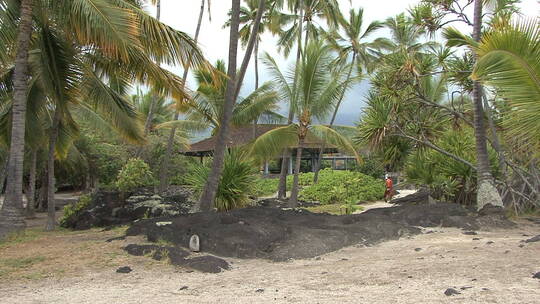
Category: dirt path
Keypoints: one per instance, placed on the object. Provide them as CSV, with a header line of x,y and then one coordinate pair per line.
x,y
383,204
414,270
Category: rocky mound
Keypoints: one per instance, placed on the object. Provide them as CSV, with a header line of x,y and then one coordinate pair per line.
x,y
107,208
179,257
278,234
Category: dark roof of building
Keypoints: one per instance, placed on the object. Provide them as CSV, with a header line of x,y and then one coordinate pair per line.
x,y
243,135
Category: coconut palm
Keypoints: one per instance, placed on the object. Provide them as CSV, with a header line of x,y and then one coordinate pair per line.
x,y
206,106
351,45
319,90
164,168
74,58
509,60
11,214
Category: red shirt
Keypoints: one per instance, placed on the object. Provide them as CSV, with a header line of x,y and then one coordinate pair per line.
x,y
389,183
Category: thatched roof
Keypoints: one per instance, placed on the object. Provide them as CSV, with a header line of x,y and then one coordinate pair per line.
x,y
243,135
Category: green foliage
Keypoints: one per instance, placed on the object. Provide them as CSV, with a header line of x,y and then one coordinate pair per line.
x,y
73,210
135,173
339,187
448,178
371,166
236,182
265,187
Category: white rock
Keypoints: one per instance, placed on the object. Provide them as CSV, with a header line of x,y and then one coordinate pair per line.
x,y
159,224
194,243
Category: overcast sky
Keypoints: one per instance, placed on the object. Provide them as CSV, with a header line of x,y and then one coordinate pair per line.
x,y
214,39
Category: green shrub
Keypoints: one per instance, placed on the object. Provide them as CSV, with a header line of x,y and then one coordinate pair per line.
x,y
339,186
72,211
265,187
236,183
135,173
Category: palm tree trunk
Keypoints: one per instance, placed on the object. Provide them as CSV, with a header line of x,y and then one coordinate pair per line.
x,y
164,170
208,196
256,54
487,193
51,187
282,187
293,200
12,214
31,193
334,115
153,101
495,139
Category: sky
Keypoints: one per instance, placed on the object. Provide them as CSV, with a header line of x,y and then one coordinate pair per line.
x,y
214,39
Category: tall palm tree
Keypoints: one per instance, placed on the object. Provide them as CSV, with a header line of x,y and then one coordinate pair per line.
x,y
75,58
164,171
319,90
11,214
487,193
233,88
291,29
351,45
209,193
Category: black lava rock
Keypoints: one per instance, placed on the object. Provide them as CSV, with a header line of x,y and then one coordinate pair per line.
x,y
451,292
125,269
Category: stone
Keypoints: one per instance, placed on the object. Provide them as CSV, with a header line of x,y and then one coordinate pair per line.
x,y
451,291
259,290
160,224
184,288
488,194
470,233
417,249
194,243
533,239
536,275
125,269
476,239
489,242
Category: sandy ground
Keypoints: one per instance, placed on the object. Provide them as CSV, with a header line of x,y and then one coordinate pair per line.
x,y
79,267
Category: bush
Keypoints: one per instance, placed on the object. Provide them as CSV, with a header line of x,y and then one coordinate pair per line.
x,y
73,210
236,184
339,186
135,173
265,187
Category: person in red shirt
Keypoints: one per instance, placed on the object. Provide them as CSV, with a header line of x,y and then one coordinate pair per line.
x,y
389,189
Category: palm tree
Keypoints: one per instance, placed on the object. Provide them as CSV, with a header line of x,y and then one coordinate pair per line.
x,y
75,60
487,193
209,192
318,90
233,88
206,106
163,171
11,214
351,44
509,60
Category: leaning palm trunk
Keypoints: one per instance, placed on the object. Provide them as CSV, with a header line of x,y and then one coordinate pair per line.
x,y
164,170
282,187
293,200
30,194
321,151
487,193
153,100
209,193
12,215
51,216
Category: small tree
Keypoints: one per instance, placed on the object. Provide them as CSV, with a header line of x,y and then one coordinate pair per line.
x,y
135,173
